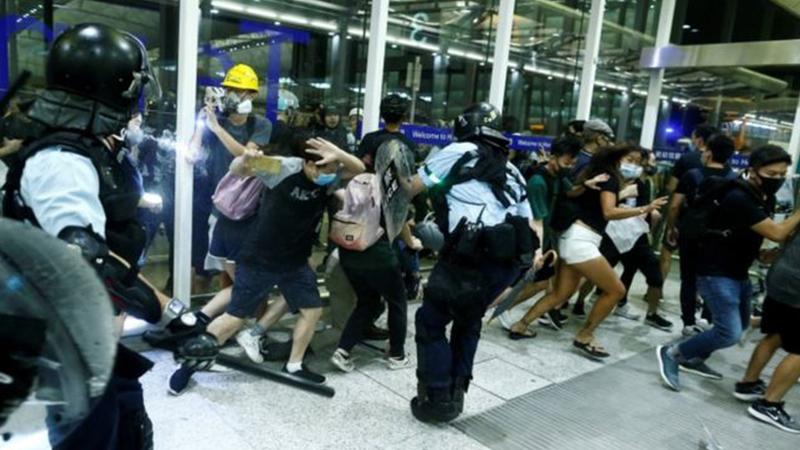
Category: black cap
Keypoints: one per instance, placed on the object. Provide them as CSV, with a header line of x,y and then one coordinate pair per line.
x,y
99,62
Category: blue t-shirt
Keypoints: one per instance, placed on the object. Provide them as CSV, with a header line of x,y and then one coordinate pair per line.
x,y
219,158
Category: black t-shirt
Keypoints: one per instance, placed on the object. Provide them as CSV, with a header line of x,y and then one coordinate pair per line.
x,y
288,220
372,141
590,211
732,256
692,178
688,161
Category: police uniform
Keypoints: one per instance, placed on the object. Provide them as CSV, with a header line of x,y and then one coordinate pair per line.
x,y
75,183
485,224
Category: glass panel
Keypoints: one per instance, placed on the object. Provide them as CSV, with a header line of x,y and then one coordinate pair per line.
x,y
310,59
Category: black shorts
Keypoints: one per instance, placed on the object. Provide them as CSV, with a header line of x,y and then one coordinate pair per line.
x,y
253,283
783,320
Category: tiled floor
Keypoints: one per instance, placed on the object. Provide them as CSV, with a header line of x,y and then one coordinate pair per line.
x,y
231,410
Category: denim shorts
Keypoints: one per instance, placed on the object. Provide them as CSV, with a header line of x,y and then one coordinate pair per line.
x,y
253,283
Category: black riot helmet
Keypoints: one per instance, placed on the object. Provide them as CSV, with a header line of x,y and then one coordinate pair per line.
x,y
100,63
482,123
394,108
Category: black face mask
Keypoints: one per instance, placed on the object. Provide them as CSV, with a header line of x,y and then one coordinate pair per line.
x,y
770,186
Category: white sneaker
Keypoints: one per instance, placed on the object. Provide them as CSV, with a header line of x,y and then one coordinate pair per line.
x,y
703,324
505,320
398,363
251,345
691,330
342,360
625,312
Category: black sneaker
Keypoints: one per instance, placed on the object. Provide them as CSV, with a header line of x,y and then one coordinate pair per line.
x,y
578,310
702,369
773,414
307,375
657,321
750,392
179,380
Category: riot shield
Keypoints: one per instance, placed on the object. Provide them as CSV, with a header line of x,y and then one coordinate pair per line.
x,y
63,344
394,165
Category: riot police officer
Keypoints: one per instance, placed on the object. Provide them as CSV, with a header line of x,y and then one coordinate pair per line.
x,y
75,180
480,203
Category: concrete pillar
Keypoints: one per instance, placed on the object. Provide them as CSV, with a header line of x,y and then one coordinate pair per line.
x,y
591,52
653,101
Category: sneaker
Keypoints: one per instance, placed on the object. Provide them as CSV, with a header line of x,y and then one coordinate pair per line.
x,y
750,392
307,375
703,324
773,414
578,310
505,320
179,381
374,333
691,330
396,363
624,311
657,321
702,369
251,345
342,360
668,368
553,319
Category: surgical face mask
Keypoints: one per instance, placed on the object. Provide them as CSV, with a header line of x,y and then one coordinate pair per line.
x,y
770,186
325,179
630,171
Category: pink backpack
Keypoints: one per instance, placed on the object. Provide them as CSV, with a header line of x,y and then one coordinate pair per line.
x,y
357,226
237,197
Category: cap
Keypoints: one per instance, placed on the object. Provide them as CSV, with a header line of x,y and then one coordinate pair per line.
x,y
598,126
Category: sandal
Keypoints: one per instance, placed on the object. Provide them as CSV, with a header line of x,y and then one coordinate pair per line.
x,y
516,336
591,350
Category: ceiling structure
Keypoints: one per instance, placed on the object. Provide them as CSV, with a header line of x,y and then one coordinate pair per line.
x,y
547,37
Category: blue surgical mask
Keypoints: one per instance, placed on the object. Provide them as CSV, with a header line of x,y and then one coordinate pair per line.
x,y
325,179
630,171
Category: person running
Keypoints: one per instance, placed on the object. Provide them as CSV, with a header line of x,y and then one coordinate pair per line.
x,y
640,257
277,249
737,221
549,182
779,324
715,158
579,247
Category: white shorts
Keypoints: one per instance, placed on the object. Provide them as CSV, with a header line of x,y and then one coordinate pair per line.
x,y
579,244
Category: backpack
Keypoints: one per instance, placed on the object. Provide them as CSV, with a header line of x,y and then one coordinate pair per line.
x,y
357,226
695,224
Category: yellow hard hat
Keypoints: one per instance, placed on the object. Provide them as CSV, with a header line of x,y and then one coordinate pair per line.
x,y
241,76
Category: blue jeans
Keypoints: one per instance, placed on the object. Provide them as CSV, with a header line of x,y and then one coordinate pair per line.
x,y
729,302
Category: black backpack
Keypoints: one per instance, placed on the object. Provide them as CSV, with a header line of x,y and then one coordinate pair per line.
x,y
696,220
